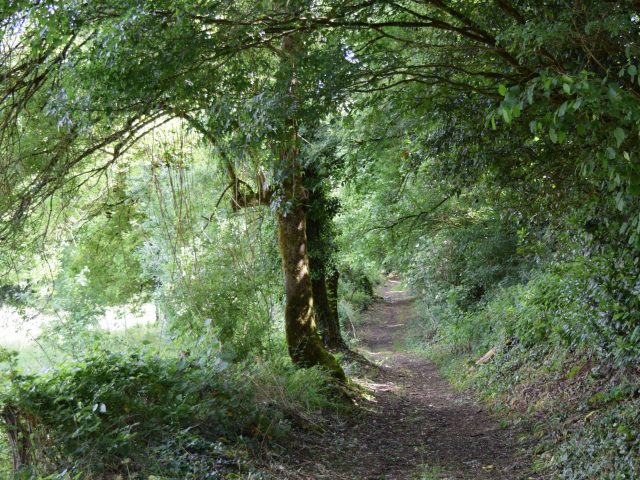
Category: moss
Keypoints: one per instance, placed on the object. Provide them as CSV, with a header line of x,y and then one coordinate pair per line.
x,y
304,343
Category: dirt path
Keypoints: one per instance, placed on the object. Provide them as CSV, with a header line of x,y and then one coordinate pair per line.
x,y
416,426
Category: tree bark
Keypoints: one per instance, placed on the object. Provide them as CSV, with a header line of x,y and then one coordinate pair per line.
x,y
326,316
18,437
325,295
335,335
304,343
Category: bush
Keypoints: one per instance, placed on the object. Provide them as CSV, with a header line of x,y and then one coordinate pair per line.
x,y
605,446
111,413
567,355
572,306
357,288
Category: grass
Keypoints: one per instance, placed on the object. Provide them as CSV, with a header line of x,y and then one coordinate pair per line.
x,y
399,287
426,472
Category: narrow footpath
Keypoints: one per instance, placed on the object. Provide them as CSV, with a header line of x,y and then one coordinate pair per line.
x,y
416,426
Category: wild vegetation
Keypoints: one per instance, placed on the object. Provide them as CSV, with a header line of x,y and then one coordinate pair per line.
x,y
247,172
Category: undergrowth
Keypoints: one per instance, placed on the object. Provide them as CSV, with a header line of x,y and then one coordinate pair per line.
x,y
565,368
138,414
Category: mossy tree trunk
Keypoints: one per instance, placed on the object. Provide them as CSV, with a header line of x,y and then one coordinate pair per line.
x,y
304,343
335,339
324,283
289,194
327,312
305,346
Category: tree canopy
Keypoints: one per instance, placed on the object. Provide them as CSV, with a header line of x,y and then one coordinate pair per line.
x,y
196,155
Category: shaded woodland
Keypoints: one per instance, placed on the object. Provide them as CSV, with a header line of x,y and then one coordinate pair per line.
x,y
232,185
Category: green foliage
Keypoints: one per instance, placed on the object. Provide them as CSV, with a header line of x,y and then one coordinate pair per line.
x,y
487,151
226,289
100,266
562,355
605,446
583,423
356,287
215,274
549,312
299,396
135,412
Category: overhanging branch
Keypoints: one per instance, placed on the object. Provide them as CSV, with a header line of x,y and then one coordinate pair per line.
x,y
414,217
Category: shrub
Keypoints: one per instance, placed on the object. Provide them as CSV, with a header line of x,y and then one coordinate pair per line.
x,y
111,413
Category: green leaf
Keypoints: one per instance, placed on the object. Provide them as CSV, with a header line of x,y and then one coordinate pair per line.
x,y
563,109
553,135
620,135
624,227
561,136
502,90
611,153
577,103
581,128
506,114
632,70
517,110
567,88
530,90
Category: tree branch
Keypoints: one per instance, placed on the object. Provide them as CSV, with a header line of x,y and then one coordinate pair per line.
x,y
414,217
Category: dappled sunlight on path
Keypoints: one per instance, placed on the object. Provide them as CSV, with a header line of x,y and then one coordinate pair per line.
x,y
415,425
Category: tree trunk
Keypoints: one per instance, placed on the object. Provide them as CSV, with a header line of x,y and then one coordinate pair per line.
x,y
326,311
304,343
336,340
305,346
326,306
